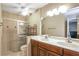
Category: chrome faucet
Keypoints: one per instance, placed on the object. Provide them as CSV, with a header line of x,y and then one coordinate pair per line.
x,y
46,36
69,39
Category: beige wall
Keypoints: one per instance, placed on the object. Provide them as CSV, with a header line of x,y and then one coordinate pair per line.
x,y
35,19
54,26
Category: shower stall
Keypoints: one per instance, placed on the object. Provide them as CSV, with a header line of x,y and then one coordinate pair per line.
x,y
14,35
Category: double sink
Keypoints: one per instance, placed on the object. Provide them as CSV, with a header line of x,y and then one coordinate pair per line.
x,y
62,42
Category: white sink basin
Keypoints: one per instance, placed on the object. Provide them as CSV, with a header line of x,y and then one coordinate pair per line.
x,y
50,40
68,44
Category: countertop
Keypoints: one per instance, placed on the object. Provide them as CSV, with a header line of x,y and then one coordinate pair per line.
x,y
58,41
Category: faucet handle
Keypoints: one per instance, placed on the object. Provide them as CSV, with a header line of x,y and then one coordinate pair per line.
x,y
69,40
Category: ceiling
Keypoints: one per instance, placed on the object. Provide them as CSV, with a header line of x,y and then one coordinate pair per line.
x,y
17,8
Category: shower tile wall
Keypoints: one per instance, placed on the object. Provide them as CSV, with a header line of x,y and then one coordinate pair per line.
x,y
9,35
11,40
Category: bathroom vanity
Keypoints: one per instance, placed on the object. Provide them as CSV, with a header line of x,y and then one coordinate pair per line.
x,y
43,49
50,47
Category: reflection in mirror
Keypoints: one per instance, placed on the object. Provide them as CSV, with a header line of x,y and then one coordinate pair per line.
x,y
62,25
78,26
73,28
54,25
72,22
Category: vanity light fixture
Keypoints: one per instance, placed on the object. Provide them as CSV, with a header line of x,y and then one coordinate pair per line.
x,y
55,11
21,23
25,12
63,9
50,13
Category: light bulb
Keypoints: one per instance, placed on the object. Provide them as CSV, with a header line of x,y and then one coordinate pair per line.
x,y
25,12
49,13
63,9
55,11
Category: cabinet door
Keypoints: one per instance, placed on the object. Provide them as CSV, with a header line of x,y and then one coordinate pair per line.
x,y
70,53
34,48
45,52
42,52
52,48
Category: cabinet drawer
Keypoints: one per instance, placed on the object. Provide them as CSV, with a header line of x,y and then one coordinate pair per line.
x,y
52,48
70,53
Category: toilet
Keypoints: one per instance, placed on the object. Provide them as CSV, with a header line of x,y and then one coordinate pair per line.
x,y
24,50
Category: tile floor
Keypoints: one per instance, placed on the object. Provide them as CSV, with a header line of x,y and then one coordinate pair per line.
x,y
20,53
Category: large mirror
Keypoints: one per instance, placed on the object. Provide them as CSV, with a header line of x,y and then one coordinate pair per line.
x,y
62,25
54,26
72,22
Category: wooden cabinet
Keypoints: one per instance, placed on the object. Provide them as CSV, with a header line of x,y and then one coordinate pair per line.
x,y
34,48
54,49
44,49
68,52
45,52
